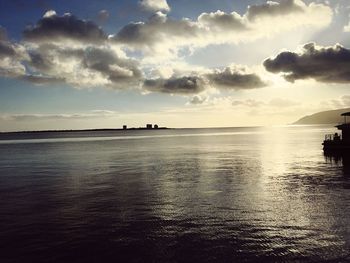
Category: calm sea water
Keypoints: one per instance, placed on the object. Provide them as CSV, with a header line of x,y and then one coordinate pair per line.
x,y
184,195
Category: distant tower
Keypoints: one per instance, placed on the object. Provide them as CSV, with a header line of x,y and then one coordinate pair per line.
x,y
149,126
125,127
155,126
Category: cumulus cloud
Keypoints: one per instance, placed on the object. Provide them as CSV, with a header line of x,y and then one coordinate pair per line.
x,y
11,67
11,55
154,5
323,64
101,64
198,100
272,8
49,13
176,85
235,78
52,27
66,49
222,21
89,66
229,78
161,33
157,31
111,66
6,49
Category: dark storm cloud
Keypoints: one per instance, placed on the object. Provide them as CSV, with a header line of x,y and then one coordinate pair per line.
x,y
181,85
324,64
273,9
52,27
235,79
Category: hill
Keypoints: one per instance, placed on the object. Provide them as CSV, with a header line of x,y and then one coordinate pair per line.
x,y
323,117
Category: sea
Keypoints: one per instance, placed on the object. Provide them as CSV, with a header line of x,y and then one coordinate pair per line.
x,y
255,194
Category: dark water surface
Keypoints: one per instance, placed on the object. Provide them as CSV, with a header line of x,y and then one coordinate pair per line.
x,y
188,195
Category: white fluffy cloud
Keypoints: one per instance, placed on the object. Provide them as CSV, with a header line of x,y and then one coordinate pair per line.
x,y
89,66
52,27
155,5
11,55
67,49
161,32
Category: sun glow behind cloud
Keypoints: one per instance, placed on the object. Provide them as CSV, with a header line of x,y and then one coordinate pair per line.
x,y
155,55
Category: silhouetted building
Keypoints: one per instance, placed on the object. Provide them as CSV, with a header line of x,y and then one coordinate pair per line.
x,y
125,127
149,126
345,128
155,126
336,142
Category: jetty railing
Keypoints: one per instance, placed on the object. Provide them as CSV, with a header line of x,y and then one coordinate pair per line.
x,y
332,137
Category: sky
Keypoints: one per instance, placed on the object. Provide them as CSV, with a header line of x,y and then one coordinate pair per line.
x,y
208,63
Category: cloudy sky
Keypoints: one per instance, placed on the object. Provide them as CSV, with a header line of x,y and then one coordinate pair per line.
x,y
208,63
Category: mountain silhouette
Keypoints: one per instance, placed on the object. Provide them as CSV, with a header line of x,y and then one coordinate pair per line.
x,y
323,117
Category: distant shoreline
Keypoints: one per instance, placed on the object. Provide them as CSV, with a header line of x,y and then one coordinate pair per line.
x,y
85,130
331,117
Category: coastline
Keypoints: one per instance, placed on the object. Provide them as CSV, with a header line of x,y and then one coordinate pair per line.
x,y
84,130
